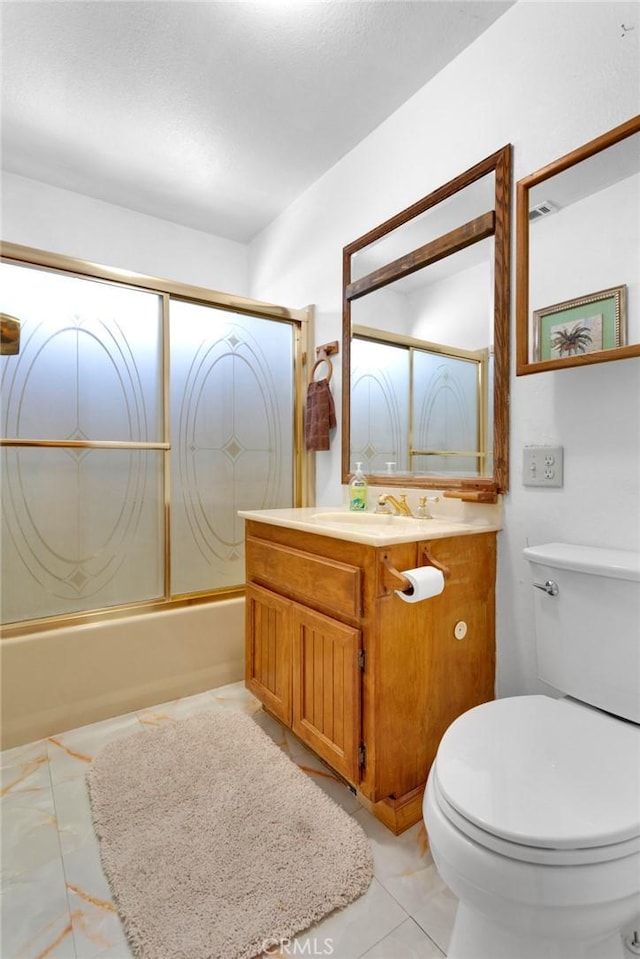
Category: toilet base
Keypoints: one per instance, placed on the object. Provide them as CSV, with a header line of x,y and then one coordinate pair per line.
x,y
477,937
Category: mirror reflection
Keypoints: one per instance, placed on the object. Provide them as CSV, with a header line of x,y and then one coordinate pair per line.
x,y
578,254
426,302
421,376
465,205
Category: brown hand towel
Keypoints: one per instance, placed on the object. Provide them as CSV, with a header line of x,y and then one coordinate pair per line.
x,y
321,415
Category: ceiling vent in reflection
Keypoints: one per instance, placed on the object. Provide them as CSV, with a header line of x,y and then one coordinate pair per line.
x,y
542,209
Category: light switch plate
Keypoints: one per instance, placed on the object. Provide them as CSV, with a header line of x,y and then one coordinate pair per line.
x,y
543,466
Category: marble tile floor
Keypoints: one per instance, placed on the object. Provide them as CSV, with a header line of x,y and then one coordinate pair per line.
x,y
56,903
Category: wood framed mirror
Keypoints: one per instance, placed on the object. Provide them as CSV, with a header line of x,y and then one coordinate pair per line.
x,y
577,254
426,302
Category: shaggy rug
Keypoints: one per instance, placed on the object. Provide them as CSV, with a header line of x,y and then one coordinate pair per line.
x,y
215,844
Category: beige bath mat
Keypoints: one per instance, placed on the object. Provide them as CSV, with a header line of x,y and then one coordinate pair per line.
x,y
215,844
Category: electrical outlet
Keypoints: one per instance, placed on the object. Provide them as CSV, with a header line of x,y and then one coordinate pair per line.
x,y
542,466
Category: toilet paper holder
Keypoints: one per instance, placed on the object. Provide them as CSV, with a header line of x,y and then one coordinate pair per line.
x,y
393,579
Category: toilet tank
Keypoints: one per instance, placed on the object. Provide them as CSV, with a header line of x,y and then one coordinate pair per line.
x,y
588,634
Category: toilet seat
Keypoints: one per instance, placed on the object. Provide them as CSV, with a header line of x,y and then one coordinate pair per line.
x,y
523,853
542,780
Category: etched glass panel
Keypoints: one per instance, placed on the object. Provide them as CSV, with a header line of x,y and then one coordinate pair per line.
x,y
81,529
379,405
446,414
89,360
232,396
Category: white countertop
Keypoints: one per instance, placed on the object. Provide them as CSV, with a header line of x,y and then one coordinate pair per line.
x,y
371,529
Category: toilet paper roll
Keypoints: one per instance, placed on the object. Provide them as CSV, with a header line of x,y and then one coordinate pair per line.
x,y
426,581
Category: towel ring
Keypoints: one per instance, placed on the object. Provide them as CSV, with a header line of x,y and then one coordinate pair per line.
x,y
323,359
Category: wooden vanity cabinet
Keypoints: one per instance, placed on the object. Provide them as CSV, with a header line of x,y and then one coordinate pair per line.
x,y
370,683
303,666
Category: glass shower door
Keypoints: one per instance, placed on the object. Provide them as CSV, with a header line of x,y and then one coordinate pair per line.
x,y
82,476
232,396
134,426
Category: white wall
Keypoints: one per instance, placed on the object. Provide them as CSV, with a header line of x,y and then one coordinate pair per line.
x,y
591,266
384,309
546,77
457,310
60,221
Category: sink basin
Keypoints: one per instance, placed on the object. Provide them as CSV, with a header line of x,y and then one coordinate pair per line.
x,y
361,519
383,524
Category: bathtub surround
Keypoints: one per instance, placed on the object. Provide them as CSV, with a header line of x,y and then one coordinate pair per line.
x,y
159,539
69,677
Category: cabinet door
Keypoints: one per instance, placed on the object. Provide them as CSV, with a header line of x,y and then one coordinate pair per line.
x,y
326,689
268,650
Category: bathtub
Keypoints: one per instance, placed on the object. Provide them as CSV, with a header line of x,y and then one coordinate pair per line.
x,y
59,679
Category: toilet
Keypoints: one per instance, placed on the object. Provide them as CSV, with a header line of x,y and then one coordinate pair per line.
x,y
532,805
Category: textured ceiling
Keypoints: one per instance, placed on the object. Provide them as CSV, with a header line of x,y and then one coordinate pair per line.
x,y
215,115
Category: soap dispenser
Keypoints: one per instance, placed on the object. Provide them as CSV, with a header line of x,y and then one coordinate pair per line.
x,y
358,490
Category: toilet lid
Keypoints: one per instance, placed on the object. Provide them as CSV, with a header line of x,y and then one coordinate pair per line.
x,y
543,772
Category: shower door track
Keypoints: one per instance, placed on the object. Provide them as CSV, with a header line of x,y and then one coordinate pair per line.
x,y
87,444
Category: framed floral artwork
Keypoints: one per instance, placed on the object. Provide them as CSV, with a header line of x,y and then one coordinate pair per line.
x,y
587,324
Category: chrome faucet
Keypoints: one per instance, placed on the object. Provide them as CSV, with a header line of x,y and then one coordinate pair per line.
x,y
401,506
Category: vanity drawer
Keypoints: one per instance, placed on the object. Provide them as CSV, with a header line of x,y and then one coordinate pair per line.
x,y
319,582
